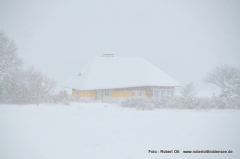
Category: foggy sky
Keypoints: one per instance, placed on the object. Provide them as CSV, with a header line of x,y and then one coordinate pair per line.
x,y
185,39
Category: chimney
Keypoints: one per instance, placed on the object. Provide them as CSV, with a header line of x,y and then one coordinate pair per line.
x,y
107,55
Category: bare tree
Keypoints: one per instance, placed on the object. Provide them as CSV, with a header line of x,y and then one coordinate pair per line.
x,y
9,59
189,90
19,86
227,79
27,87
39,86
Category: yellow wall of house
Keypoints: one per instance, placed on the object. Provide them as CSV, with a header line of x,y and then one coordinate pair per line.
x,y
124,93
87,93
83,93
144,93
112,93
120,93
74,92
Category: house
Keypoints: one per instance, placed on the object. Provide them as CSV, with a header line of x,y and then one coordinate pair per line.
x,y
109,79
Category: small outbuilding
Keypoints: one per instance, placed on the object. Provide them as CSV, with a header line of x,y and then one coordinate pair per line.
x,y
109,79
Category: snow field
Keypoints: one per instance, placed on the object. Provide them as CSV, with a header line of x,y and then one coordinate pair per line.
x,y
100,130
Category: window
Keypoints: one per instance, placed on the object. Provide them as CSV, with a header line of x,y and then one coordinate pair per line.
x,y
133,94
106,93
155,93
168,92
139,93
77,93
162,93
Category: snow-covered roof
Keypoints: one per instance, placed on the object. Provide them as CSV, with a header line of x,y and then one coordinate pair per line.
x,y
119,72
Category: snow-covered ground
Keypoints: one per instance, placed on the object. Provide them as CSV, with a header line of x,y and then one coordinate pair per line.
x,y
100,130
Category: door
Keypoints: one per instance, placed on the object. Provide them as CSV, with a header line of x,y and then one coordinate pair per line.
x,y
99,95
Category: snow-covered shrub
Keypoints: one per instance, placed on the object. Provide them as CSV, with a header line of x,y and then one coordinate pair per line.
x,y
62,97
188,90
176,103
128,102
136,102
235,103
181,103
205,103
219,102
164,102
189,103
144,104
227,79
229,103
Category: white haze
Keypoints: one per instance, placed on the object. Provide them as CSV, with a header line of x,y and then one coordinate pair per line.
x,y
185,39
